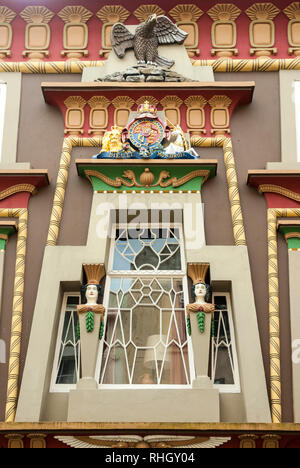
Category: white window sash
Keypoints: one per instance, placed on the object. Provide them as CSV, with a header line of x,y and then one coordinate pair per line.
x,y
236,387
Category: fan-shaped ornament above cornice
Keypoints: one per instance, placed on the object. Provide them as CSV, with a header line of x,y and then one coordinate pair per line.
x,y
262,11
75,14
99,102
187,12
144,11
113,14
124,102
6,15
224,12
37,14
293,11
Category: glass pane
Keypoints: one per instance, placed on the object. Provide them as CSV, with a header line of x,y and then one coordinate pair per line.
x,y
150,336
147,249
69,356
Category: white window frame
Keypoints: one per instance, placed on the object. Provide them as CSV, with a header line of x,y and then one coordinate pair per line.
x,y
236,387
55,387
3,94
181,274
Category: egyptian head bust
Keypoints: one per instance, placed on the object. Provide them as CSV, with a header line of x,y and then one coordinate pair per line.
x,y
201,294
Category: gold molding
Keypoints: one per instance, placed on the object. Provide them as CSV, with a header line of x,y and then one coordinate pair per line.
x,y
17,189
274,313
147,178
225,65
231,175
186,12
17,312
292,235
269,188
144,11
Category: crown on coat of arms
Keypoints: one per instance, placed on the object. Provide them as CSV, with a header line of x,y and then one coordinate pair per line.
x,y
147,108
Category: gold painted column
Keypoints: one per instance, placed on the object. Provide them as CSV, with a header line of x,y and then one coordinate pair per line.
x,y
17,313
6,229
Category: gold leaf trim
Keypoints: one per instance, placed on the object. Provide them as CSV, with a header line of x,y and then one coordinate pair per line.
x,y
98,102
224,12
17,189
262,11
293,11
144,11
196,101
75,14
113,14
37,14
123,102
75,102
118,182
292,235
184,12
6,15
269,188
171,101
220,101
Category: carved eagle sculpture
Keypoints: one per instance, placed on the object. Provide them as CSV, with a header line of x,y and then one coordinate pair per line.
x,y
155,31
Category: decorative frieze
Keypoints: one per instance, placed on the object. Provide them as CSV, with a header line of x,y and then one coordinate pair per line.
x,y
110,15
123,106
293,13
171,105
37,441
144,11
223,31
262,29
195,115
74,119
271,441
37,34
75,31
15,441
6,33
248,441
219,115
98,115
151,99
186,17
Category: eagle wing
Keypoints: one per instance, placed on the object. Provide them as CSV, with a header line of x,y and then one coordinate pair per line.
x,y
121,39
167,32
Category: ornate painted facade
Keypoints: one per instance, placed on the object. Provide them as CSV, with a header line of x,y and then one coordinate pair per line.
x,y
149,234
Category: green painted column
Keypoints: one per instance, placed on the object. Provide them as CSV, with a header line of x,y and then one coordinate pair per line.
x,y
291,231
6,229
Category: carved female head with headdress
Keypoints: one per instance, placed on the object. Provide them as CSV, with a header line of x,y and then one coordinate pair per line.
x,y
91,291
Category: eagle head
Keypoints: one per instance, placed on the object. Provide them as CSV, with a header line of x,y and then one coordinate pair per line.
x,y
152,18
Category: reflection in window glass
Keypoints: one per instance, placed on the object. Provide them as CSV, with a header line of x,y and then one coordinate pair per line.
x,y
68,365
2,112
223,360
145,340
